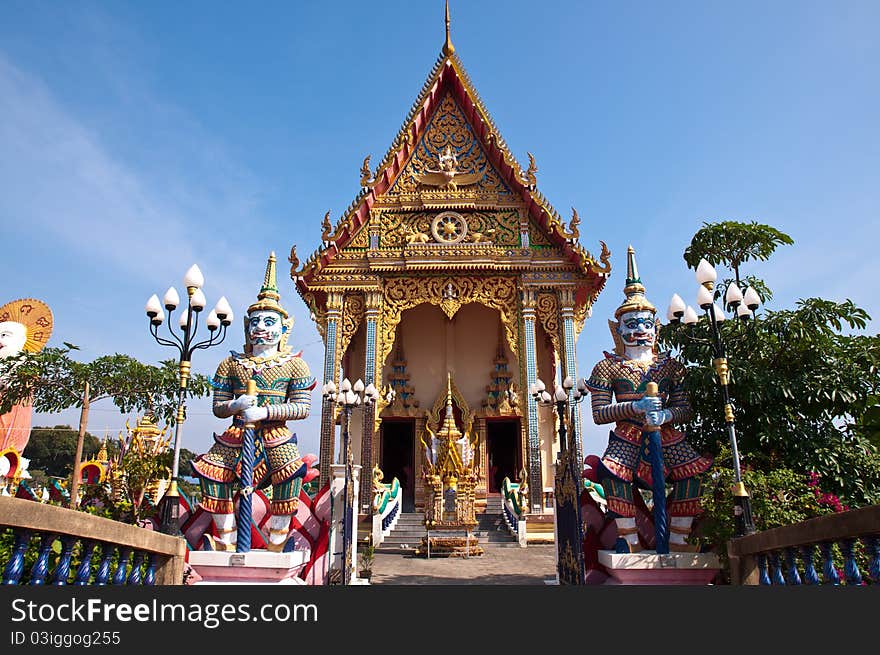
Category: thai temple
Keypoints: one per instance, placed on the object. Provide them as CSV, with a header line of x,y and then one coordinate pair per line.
x,y
452,285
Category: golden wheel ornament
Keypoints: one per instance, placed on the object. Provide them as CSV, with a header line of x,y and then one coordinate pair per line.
x,y
449,227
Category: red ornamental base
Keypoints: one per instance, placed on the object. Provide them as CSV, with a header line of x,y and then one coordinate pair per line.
x,y
649,568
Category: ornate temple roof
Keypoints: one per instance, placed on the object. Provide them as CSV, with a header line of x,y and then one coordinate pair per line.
x,y
382,188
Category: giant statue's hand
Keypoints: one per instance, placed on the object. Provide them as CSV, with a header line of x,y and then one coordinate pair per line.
x,y
254,414
648,404
242,402
658,417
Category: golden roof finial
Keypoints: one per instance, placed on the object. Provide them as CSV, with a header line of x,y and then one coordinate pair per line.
x,y
448,48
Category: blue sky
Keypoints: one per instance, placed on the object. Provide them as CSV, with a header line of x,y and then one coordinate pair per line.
x,y
139,138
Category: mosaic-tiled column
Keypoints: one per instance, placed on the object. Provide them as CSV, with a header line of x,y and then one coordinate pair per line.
x,y
334,316
536,481
566,304
373,304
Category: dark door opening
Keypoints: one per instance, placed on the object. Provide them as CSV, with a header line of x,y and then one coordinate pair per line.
x,y
397,458
502,447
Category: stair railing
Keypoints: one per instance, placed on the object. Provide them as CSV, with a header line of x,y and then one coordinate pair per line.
x,y
512,503
387,499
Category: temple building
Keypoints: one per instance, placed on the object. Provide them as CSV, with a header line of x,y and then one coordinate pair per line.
x,y
450,274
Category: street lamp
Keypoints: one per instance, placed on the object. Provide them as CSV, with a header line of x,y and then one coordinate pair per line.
x,y
567,515
219,318
347,398
744,305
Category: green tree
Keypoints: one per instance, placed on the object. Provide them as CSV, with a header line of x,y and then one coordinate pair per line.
x,y
53,381
801,382
51,450
733,244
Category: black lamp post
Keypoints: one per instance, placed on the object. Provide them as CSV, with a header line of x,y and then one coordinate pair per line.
x,y
570,554
744,305
347,398
218,320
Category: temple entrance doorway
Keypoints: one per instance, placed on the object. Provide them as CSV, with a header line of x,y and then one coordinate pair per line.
x,y
398,437
502,440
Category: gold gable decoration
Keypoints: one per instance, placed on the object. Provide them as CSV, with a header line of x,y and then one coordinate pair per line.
x,y
448,135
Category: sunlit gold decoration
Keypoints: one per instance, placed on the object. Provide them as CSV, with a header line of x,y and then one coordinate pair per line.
x,y
366,176
361,240
448,175
405,402
529,179
437,412
294,261
537,236
326,228
449,227
581,311
411,235
35,316
449,134
547,309
352,316
482,237
402,293
500,227
319,316
449,468
604,257
502,393
573,224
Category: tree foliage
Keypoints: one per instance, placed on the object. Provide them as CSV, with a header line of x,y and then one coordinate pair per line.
x,y
801,384
51,450
54,381
732,243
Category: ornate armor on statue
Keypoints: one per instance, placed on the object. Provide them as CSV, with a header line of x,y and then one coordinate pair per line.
x,y
283,393
618,385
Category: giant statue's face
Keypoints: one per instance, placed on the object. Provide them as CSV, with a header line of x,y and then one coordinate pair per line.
x,y
13,336
637,329
265,328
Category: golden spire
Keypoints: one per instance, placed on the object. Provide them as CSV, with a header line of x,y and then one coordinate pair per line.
x,y
449,429
634,290
268,297
448,48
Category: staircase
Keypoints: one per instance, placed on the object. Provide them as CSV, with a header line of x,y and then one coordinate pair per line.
x,y
491,527
406,536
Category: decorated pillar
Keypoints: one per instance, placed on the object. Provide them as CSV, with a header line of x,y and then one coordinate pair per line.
x,y
536,482
373,301
331,366
566,304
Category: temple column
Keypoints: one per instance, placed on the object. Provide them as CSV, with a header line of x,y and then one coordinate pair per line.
x,y
566,304
536,481
331,367
373,301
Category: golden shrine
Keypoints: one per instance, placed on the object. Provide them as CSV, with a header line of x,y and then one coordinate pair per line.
x,y
145,440
451,281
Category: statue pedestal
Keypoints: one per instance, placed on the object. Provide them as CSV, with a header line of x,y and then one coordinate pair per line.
x,y
649,568
255,567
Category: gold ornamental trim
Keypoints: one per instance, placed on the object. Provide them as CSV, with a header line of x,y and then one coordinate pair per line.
x,y
450,294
